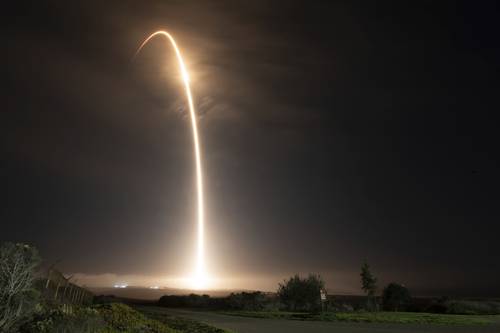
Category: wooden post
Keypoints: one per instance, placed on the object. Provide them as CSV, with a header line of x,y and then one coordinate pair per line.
x,y
71,293
78,296
68,284
57,290
48,279
65,287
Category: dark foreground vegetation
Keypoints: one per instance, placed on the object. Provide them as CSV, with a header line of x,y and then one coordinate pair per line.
x,y
25,307
180,324
109,318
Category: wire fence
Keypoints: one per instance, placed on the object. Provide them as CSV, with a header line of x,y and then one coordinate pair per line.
x,y
55,287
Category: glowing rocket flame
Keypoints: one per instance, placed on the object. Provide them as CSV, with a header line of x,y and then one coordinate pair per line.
x,y
200,267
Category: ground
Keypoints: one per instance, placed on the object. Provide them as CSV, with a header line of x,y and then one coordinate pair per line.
x,y
256,325
371,317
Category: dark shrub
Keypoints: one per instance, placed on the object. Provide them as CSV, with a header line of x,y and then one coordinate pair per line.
x,y
121,318
254,301
436,307
299,294
105,299
79,320
396,297
472,307
172,301
189,301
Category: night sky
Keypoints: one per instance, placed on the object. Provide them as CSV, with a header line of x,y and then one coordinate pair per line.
x,y
331,132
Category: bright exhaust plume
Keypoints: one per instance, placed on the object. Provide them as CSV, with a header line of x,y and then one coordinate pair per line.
x,y
200,278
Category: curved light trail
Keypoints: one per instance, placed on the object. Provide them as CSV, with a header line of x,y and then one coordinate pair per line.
x,y
200,278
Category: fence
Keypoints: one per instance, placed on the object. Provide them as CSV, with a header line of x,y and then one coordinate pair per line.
x,y
56,287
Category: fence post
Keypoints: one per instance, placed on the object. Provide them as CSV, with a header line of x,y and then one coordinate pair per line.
x,y
57,290
48,279
77,291
71,293
77,295
65,287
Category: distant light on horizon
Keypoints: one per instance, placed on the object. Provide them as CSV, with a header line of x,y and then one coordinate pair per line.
x,y
121,286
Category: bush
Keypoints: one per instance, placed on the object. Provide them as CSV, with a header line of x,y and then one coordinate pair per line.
x,y
472,307
299,294
189,301
435,307
105,299
108,318
254,301
340,307
18,298
121,318
396,297
80,320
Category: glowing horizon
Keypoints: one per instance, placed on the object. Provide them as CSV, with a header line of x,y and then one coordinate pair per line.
x,y
200,279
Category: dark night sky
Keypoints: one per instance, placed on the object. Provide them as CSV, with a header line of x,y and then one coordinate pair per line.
x,y
331,133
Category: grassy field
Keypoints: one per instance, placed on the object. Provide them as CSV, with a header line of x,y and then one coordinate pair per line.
x,y
373,317
177,323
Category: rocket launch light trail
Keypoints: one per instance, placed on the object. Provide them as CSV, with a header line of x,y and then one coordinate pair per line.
x,y
200,278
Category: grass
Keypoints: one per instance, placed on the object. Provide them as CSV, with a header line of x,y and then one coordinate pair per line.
x,y
469,307
121,318
104,318
372,317
406,318
177,323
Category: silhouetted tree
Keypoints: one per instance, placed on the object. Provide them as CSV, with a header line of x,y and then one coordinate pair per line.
x,y
369,285
396,297
299,294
